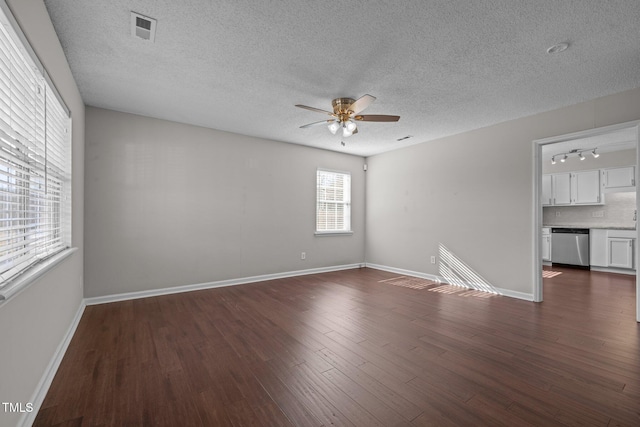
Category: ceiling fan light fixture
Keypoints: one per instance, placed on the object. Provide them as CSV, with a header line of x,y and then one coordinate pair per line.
x,y
333,127
344,115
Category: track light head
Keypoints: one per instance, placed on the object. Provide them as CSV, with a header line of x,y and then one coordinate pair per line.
x,y
595,155
564,158
581,156
553,160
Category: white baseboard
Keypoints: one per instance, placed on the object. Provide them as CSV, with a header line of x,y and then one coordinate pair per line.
x,y
515,294
405,272
218,284
440,279
614,270
45,382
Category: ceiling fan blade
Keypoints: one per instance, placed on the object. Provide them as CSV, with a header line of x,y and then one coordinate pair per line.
x,y
376,118
306,107
321,122
361,103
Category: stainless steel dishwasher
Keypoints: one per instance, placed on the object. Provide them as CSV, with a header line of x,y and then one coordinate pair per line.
x,y
570,246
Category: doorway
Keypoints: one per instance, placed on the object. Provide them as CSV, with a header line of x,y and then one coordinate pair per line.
x,y
575,147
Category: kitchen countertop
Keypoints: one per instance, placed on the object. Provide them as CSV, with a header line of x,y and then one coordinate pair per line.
x,y
599,226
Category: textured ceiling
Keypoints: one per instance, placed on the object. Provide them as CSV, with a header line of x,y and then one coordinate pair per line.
x,y
444,66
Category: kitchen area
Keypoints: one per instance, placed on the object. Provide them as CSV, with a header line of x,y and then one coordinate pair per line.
x,y
589,203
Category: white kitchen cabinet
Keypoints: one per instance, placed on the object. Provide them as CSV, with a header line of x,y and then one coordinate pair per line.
x,y
574,188
546,244
598,251
585,187
619,178
620,252
547,193
561,185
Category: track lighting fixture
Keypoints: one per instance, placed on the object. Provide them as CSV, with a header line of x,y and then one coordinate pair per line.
x,y
577,151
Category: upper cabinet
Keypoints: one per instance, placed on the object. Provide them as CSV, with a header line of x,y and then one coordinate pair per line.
x,y
619,179
574,188
561,188
547,193
585,188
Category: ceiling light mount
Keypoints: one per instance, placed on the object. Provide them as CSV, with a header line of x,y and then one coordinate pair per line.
x,y
557,48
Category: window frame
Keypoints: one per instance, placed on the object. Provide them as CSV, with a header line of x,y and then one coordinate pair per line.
x,y
346,203
47,181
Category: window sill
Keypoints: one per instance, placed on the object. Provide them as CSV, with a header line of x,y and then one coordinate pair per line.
x,y
333,233
32,274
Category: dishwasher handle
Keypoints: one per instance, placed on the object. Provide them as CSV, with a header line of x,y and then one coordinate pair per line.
x,y
570,230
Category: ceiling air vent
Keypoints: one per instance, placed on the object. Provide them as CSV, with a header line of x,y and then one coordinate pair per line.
x,y
143,26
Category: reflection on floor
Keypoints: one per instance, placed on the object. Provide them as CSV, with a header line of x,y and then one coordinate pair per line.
x,y
431,286
548,274
409,282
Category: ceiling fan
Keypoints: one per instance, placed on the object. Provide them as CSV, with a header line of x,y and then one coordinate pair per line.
x,y
345,114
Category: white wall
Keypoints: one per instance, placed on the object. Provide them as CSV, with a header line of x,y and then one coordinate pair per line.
x,y
472,193
170,204
35,321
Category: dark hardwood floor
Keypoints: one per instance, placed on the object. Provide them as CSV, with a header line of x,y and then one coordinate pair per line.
x,y
354,348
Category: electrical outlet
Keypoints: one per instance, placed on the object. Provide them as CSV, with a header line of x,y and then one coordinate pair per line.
x,y
433,259
303,255
597,214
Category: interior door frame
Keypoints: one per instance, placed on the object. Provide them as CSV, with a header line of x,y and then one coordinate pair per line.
x,y
537,188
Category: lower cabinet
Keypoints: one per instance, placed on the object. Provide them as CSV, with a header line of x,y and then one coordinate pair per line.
x,y
612,248
620,252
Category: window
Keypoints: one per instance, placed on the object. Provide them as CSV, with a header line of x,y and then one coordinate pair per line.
x,y
35,158
333,202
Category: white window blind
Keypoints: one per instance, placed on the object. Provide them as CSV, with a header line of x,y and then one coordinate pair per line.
x,y
333,201
35,159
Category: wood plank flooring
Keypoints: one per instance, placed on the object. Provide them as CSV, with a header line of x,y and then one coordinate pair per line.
x,y
353,348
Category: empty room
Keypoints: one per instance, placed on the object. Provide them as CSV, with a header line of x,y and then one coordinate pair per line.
x,y
377,213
